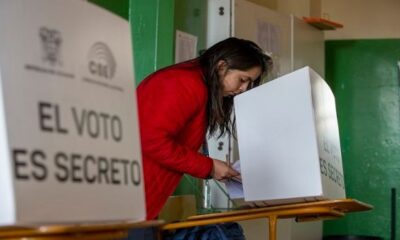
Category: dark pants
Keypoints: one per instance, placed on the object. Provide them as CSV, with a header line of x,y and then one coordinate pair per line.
x,y
143,234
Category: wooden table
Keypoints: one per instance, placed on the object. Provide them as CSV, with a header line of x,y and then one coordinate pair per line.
x,y
92,231
310,211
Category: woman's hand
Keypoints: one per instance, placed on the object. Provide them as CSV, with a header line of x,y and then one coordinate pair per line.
x,y
222,171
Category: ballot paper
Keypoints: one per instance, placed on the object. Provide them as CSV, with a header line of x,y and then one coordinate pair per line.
x,y
235,187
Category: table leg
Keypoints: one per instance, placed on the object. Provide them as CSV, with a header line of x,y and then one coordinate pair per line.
x,y
272,227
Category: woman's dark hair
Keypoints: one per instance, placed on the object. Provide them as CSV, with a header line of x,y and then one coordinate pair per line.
x,y
238,54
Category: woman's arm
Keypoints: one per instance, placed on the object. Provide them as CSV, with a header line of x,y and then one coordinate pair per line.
x,y
166,105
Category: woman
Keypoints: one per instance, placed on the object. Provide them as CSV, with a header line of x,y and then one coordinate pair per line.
x,y
179,103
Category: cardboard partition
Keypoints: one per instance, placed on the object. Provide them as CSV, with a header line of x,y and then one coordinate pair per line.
x,y
289,140
69,136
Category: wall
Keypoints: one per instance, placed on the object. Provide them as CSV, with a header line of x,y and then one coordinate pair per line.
x,y
121,9
271,4
365,79
191,16
364,76
363,19
152,29
299,8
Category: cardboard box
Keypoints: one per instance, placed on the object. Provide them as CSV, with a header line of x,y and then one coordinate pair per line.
x,y
289,140
69,136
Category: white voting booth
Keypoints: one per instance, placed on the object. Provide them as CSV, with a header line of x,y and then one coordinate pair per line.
x,y
289,141
293,44
69,136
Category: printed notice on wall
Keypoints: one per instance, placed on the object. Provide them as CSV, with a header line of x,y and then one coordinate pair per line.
x,y
185,46
269,39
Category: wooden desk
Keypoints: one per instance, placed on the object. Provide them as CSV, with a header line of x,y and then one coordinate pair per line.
x,y
309,211
92,231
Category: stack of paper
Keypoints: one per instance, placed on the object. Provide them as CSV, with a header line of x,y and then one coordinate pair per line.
x,y
234,186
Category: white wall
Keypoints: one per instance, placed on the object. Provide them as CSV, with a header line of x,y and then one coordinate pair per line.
x,y
299,8
363,18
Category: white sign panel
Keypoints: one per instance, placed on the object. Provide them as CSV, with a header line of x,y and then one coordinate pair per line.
x,y
185,46
69,136
289,140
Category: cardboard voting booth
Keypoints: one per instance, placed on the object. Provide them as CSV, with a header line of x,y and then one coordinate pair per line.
x,y
289,140
69,136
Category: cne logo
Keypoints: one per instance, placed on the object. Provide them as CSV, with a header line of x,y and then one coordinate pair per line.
x,y
51,45
101,61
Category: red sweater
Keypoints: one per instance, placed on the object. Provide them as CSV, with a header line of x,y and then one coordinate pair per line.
x,y
172,114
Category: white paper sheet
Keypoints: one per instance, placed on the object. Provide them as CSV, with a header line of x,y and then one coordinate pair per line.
x,y
185,46
235,188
